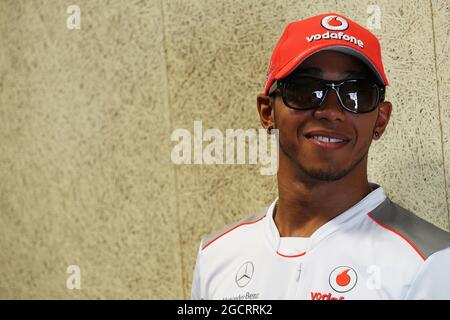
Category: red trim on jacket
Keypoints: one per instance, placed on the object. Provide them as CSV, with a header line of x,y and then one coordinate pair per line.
x,y
241,224
399,234
293,256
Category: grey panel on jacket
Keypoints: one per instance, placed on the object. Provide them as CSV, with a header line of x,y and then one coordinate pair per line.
x,y
426,237
249,219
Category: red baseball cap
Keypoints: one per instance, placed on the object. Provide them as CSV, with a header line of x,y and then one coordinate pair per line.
x,y
329,31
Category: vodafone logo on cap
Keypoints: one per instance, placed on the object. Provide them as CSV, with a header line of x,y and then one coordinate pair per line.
x,y
337,23
343,279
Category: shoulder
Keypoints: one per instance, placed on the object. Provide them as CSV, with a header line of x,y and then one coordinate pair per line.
x,y
229,229
432,280
424,237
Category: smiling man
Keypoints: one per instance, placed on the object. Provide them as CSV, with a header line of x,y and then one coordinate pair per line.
x,y
330,234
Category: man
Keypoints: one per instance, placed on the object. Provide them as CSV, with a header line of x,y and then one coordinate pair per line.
x,y
330,234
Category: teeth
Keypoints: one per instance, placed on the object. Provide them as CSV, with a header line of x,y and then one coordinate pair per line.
x,y
326,139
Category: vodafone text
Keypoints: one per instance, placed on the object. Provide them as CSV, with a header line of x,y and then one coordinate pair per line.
x,y
324,296
334,35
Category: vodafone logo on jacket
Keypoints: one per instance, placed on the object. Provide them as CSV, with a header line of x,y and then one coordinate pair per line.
x,y
343,279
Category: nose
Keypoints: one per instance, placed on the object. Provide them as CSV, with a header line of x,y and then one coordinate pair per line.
x,y
330,109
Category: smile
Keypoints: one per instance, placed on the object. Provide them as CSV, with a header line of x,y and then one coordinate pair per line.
x,y
326,142
327,139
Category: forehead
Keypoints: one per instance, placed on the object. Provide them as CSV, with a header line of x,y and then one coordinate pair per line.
x,y
333,63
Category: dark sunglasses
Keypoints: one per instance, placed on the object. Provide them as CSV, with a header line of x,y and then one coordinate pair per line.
x,y
354,95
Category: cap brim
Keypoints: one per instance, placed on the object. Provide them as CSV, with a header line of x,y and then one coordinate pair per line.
x,y
294,63
361,57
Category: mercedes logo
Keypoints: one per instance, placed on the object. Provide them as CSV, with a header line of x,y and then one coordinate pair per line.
x,y
245,274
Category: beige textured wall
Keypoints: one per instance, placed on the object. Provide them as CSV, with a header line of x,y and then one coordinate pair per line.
x,y
86,117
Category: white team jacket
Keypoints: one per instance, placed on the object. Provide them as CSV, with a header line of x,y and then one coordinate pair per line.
x,y
374,250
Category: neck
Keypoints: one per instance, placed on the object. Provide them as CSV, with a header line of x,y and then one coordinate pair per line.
x,y
305,204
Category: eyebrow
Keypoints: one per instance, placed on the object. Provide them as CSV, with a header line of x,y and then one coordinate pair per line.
x,y
319,72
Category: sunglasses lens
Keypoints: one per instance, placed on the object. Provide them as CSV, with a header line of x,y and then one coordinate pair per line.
x,y
303,93
359,96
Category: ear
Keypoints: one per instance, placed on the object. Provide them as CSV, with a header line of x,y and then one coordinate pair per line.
x,y
384,114
265,110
